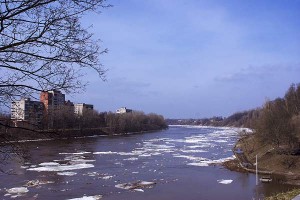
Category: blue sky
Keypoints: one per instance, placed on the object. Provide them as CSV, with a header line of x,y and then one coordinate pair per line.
x,y
194,58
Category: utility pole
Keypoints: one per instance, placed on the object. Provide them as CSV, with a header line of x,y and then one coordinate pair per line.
x,y
256,171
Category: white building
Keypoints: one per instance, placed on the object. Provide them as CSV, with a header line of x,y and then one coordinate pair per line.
x,y
27,110
123,110
80,108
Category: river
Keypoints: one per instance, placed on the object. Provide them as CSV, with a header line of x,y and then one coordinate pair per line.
x,y
182,162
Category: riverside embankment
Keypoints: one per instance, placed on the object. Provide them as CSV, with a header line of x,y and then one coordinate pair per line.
x,y
279,166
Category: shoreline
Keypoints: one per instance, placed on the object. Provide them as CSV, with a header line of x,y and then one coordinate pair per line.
x,y
243,165
38,136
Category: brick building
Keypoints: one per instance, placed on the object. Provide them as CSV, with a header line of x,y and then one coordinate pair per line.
x,y
52,99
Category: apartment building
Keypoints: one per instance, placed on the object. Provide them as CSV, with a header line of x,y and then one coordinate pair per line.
x,y
52,99
80,108
123,110
27,110
50,103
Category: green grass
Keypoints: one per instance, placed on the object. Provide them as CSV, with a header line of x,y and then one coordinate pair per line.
x,y
285,195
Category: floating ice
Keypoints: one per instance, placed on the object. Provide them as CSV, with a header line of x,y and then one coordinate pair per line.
x,y
61,168
193,151
126,153
189,157
196,140
66,173
71,162
222,181
78,161
34,183
139,190
17,191
221,160
92,174
106,177
135,185
96,197
201,164
198,146
145,155
220,141
131,159
77,153
49,164
104,153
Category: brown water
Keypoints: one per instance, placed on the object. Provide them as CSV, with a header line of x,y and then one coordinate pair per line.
x,y
183,162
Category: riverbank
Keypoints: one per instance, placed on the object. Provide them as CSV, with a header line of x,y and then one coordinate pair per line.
x,y
280,166
291,195
33,135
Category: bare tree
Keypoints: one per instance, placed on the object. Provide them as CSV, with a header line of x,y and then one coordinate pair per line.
x,y
43,46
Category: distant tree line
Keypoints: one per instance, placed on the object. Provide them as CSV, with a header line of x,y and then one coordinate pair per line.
x,y
134,122
64,123
112,123
65,120
239,119
276,123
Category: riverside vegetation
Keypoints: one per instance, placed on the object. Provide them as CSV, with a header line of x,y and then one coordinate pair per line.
x,y
64,123
275,138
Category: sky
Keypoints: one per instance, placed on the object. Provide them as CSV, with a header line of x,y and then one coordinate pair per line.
x,y
194,58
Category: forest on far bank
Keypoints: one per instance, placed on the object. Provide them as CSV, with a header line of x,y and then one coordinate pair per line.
x,y
277,122
65,123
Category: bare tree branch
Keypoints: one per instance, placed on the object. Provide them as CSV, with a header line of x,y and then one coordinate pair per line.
x,y
43,46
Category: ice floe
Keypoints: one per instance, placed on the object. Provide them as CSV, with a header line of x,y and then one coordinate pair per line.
x,y
77,153
49,164
103,176
104,153
72,162
193,158
131,159
61,168
66,173
106,177
222,181
35,183
137,186
139,190
16,192
96,197
193,151
201,164
220,141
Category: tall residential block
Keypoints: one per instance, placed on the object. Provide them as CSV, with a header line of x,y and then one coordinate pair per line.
x,y
80,108
52,99
27,110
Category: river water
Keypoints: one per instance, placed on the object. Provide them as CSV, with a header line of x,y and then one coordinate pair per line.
x,y
182,162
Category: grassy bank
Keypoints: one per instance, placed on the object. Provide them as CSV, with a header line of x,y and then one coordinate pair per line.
x,y
285,195
285,167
